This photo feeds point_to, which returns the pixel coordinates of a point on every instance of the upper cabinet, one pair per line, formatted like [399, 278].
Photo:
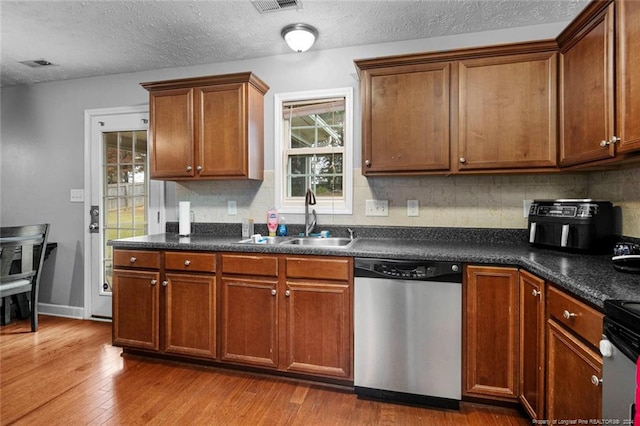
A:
[628, 74]
[473, 110]
[207, 127]
[599, 84]
[405, 124]
[507, 112]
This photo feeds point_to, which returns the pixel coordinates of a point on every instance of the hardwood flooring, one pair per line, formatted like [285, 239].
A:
[68, 373]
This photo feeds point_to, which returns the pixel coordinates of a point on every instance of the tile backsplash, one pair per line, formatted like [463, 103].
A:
[494, 201]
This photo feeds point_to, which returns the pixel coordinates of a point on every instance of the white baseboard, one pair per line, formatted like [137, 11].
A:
[75, 312]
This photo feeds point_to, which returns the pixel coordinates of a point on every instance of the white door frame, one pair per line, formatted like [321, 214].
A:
[159, 212]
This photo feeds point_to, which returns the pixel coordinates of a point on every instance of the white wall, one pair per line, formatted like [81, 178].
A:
[42, 134]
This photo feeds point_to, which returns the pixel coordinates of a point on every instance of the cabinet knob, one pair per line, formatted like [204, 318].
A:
[611, 141]
[154, 282]
[287, 293]
[535, 293]
[189, 168]
[165, 283]
[463, 160]
[133, 259]
[595, 381]
[199, 168]
[367, 163]
[273, 292]
[567, 315]
[187, 262]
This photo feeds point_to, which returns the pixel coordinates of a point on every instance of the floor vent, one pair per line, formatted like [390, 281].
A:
[266, 6]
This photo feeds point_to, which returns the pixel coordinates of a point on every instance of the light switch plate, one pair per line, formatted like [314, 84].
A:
[377, 208]
[413, 208]
[232, 207]
[76, 196]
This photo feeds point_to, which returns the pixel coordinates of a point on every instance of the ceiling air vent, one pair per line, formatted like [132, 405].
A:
[38, 63]
[266, 6]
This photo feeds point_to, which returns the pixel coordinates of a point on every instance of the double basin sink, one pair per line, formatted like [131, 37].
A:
[330, 242]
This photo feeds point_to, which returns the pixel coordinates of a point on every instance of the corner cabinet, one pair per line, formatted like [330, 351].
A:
[207, 127]
[599, 80]
[532, 344]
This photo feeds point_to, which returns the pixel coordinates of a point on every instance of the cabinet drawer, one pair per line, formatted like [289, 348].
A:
[319, 268]
[264, 266]
[580, 318]
[136, 259]
[189, 261]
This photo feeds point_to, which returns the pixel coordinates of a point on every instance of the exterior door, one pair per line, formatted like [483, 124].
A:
[120, 200]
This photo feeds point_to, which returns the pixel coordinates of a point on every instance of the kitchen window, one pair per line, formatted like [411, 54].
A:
[314, 144]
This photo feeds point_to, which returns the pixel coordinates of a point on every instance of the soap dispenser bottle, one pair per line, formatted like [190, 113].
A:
[272, 221]
[282, 227]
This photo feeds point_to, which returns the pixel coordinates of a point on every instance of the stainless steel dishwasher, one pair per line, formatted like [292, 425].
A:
[408, 331]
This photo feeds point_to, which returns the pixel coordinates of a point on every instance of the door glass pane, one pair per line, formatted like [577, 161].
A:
[125, 200]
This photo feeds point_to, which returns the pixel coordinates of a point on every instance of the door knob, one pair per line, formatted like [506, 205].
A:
[463, 160]
[273, 292]
[567, 315]
[189, 168]
[367, 163]
[187, 262]
[535, 292]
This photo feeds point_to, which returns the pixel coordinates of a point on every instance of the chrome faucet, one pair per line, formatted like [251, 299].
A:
[309, 199]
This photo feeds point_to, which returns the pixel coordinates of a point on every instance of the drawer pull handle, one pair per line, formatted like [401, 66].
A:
[165, 283]
[153, 282]
[133, 259]
[568, 315]
[595, 381]
[187, 262]
[535, 293]
[273, 292]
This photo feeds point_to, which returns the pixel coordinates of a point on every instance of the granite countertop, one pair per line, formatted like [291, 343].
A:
[587, 276]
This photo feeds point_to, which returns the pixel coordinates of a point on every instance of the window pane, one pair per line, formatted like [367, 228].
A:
[298, 187]
[140, 147]
[321, 173]
[303, 137]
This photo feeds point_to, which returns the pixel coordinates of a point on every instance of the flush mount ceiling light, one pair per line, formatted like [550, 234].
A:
[299, 37]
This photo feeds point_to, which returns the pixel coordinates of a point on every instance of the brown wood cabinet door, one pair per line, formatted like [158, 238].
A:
[249, 321]
[221, 125]
[318, 327]
[571, 367]
[136, 309]
[507, 112]
[532, 344]
[628, 74]
[587, 94]
[190, 315]
[171, 135]
[491, 333]
[406, 119]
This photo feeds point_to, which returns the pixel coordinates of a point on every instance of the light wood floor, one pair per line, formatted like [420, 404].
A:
[69, 374]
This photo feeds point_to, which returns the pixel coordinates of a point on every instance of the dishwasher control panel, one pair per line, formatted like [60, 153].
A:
[408, 270]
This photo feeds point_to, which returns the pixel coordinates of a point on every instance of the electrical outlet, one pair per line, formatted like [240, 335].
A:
[376, 208]
[526, 206]
[232, 208]
[413, 208]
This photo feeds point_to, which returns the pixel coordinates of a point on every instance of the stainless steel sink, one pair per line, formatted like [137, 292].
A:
[264, 240]
[332, 242]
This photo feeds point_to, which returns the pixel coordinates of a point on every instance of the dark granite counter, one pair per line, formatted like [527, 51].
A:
[589, 277]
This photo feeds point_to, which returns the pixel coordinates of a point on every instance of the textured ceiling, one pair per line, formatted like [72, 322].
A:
[90, 38]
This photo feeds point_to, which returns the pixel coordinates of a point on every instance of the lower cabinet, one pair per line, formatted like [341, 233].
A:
[249, 314]
[574, 367]
[532, 344]
[171, 311]
[490, 364]
[288, 313]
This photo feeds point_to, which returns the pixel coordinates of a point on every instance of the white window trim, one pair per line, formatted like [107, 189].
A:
[322, 206]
